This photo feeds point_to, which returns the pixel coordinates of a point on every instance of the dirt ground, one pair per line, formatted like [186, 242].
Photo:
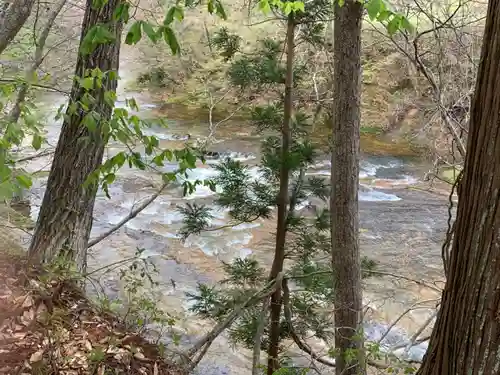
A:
[48, 327]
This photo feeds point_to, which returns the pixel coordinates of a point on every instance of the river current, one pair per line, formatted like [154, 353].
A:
[401, 228]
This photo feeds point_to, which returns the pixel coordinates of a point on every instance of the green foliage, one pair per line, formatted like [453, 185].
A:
[227, 43]
[379, 10]
[251, 197]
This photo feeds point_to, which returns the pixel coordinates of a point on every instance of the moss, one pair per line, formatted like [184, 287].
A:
[449, 174]
[178, 109]
[374, 145]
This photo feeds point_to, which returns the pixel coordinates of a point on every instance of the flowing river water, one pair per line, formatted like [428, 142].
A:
[401, 228]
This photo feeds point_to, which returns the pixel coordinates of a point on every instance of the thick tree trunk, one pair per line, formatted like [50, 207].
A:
[13, 15]
[466, 336]
[344, 199]
[281, 228]
[65, 218]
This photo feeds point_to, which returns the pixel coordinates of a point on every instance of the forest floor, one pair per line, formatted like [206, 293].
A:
[48, 327]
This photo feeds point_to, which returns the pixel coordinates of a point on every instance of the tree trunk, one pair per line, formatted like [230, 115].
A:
[281, 228]
[65, 218]
[466, 336]
[13, 15]
[15, 113]
[345, 180]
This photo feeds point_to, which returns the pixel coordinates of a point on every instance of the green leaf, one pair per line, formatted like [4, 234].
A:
[405, 24]
[24, 181]
[87, 45]
[373, 8]
[122, 12]
[219, 10]
[36, 142]
[90, 122]
[264, 6]
[150, 32]
[175, 12]
[287, 9]
[384, 15]
[394, 25]
[134, 35]
[110, 178]
[210, 6]
[103, 35]
[171, 39]
[87, 83]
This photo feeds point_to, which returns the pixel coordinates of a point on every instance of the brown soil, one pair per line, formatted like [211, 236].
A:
[49, 328]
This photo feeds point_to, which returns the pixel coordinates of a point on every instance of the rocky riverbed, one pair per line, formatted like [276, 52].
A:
[401, 228]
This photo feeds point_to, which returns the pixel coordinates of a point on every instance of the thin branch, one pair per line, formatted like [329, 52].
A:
[258, 337]
[415, 306]
[50, 88]
[209, 338]
[414, 338]
[382, 273]
[288, 317]
[129, 217]
[36, 156]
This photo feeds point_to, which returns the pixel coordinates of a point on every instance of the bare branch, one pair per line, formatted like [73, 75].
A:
[258, 337]
[129, 217]
[209, 338]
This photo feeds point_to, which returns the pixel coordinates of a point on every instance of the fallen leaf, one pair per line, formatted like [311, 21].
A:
[28, 302]
[155, 369]
[88, 345]
[139, 355]
[36, 356]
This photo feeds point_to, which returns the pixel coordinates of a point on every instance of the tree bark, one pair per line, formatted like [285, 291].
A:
[281, 228]
[13, 15]
[346, 261]
[65, 218]
[466, 336]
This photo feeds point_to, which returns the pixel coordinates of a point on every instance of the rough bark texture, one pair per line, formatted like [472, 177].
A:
[281, 228]
[65, 217]
[13, 15]
[345, 170]
[466, 336]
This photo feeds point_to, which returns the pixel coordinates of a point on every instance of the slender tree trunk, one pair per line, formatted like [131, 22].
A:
[281, 229]
[13, 15]
[345, 180]
[65, 218]
[37, 61]
[466, 336]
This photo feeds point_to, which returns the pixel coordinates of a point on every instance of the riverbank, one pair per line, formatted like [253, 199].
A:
[48, 326]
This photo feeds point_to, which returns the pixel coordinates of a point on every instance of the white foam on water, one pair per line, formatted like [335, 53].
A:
[396, 337]
[247, 237]
[171, 235]
[237, 156]
[244, 226]
[244, 253]
[371, 195]
[169, 217]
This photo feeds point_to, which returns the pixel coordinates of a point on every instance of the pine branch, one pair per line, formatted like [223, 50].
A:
[209, 338]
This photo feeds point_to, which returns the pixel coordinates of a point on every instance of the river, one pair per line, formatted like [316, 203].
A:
[401, 228]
